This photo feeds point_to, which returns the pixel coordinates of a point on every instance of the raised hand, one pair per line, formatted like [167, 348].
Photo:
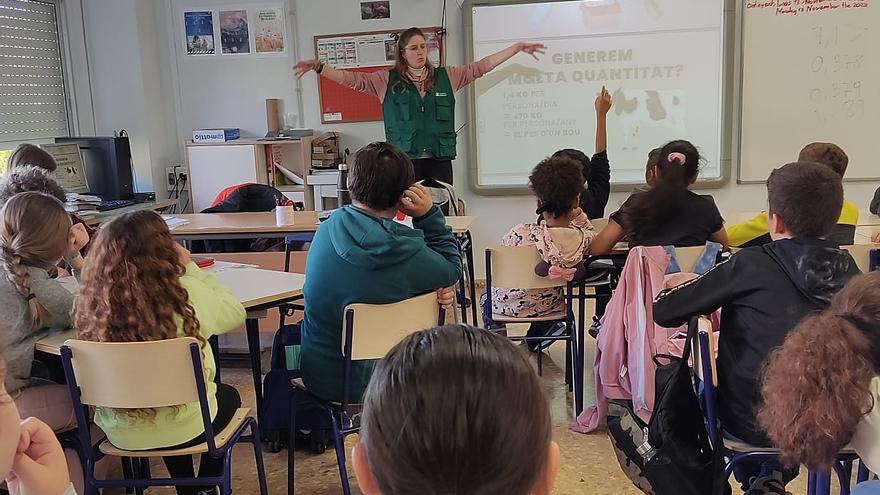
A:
[304, 66]
[533, 49]
[603, 102]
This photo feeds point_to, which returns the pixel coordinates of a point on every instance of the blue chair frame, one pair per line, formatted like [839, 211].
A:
[337, 412]
[138, 467]
[818, 483]
[574, 369]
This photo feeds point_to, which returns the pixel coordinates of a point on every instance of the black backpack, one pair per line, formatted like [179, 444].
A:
[629, 437]
[679, 458]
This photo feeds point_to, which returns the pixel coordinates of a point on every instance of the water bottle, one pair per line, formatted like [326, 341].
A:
[342, 195]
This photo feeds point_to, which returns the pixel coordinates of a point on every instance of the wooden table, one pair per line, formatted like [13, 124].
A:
[256, 289]
[108, 215]
[203, 226]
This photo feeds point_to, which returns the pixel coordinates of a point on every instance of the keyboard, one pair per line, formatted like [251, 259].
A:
[114, 204]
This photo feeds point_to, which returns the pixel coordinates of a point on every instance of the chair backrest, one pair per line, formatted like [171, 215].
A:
[134, 375]
[376, 328]
[703, 357]
[687, 257]
[514, 268]
[861, 254]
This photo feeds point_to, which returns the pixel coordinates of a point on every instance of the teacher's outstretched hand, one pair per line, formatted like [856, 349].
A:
[418, 99]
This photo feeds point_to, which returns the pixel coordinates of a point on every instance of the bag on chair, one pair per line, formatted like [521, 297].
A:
[679, 459]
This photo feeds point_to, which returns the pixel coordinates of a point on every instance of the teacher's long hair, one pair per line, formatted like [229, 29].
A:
[400, 65]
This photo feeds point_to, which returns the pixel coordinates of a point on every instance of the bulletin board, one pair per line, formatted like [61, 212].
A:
[368, 51]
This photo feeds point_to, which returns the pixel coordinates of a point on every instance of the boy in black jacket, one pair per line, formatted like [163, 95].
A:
[764, 291]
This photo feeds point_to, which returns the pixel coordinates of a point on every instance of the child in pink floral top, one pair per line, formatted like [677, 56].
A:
[562, 238]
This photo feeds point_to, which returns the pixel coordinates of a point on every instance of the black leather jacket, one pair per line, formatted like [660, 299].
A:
[763, 292]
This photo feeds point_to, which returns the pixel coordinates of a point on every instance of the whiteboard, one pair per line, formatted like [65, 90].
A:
[809, 73]
[663, 62]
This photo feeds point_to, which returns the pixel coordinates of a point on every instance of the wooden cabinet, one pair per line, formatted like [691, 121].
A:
[212, 167]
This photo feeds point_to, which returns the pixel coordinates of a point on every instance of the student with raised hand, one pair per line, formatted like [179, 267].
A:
[140, 285]
[361, 255]
[763, 293]
[35, 233]
[668, 213]
[31, 458]
[596, 171]
[755, 231]
[821, 387]
[455, 409]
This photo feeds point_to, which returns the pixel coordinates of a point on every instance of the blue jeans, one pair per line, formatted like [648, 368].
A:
[867, 488]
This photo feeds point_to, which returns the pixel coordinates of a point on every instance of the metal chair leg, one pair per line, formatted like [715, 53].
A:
[339, 444]
[258, 458]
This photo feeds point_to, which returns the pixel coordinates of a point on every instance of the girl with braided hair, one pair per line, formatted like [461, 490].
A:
[35, 234]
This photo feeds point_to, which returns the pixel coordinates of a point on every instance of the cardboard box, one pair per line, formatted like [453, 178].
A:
[216, 135]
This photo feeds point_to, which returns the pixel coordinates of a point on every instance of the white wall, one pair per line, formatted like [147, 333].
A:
[135, 62]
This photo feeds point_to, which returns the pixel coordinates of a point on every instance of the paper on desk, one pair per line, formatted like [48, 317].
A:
[174, 222]
[223, 266]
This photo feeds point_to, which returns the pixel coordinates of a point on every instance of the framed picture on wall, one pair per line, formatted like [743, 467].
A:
[199, 32]
[269, 30]
[234, 33]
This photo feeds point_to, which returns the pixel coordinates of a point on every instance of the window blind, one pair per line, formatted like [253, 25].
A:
[32, 98]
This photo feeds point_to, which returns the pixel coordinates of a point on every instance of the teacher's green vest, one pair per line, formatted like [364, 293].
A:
[416, 124]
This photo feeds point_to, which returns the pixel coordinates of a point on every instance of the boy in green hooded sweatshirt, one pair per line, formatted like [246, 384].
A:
[361, 255]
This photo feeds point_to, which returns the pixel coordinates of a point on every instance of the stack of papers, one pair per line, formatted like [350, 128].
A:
[81, 202]
[174, 222]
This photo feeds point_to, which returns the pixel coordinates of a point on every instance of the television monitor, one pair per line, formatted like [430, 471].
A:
[70, 174]
[107, 163]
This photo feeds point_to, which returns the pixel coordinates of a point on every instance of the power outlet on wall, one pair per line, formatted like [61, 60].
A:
[171, 177]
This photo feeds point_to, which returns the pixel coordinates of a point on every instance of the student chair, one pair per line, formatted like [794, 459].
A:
[369, 331]
[514, 268]
[861, 254]
[113, 375]
[735, 451]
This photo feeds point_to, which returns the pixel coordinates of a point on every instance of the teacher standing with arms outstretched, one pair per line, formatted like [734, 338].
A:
[418, 100]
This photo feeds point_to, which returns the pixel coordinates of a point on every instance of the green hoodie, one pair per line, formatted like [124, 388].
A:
[358, 257]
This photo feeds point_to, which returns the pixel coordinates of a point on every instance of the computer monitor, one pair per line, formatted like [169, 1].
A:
[107, 162]
[70, 174]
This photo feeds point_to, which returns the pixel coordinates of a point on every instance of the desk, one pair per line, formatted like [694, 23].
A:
[105, 216]
[203, 226]
[256, 289]
[866, 218]
[864, 234]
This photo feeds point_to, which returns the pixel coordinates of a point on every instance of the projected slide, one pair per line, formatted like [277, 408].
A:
[661, 60]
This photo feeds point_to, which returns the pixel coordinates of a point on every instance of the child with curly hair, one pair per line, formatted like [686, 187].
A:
[562, 238]
[140, 285]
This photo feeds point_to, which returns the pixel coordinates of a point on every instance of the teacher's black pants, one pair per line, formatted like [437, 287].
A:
[431, 168]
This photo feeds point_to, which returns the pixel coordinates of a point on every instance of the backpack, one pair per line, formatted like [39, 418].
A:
[279, 394]
[678, 456]
[443, 195]
[629, 437]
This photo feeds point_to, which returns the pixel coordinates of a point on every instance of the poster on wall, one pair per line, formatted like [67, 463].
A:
[375, 10]
[199, 26]
[269, 30]
[234, 34]
[369, 50]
